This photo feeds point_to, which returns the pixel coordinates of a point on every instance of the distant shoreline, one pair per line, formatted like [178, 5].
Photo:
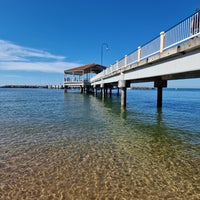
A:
[24, 86]
[142, 88]
[59, 87]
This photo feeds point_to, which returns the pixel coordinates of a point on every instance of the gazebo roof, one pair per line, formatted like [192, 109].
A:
[89, 68]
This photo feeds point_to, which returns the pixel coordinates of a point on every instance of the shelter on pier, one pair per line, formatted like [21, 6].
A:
[79, 77]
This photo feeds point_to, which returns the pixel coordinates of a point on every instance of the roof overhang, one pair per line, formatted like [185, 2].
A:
[85, 69]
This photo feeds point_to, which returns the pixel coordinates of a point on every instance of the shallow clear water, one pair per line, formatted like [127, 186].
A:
[56, 145]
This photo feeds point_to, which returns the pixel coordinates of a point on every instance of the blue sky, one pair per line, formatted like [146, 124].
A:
[41, 38]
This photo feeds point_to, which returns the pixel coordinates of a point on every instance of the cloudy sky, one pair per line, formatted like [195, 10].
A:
[40, 39]
[25, 65]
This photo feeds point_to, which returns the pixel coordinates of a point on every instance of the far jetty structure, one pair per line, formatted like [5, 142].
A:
[79, 77]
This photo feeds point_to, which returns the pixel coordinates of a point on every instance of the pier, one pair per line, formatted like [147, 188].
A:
[173, 55]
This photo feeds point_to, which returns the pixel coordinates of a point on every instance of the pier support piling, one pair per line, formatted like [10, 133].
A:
[117, 91]
[65, 89]
[159, 97]
[110, 91]
[103, 93]
[123, 97]
[102, 90]
[160, 84]
[81, 90]
[95, 91]
[122, 85]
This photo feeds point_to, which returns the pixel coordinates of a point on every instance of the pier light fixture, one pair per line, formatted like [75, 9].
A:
[103, 45]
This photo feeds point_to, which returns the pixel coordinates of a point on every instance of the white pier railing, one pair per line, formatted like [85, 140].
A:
[178, 34]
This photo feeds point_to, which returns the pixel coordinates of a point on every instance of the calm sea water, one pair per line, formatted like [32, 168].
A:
[56, 145]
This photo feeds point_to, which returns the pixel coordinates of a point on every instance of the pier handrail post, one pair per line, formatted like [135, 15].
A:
[111, 68]
[139, 53]
[126, 61]
[117, 63]
[162, 41]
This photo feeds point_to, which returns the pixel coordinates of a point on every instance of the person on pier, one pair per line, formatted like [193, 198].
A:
[195, 23]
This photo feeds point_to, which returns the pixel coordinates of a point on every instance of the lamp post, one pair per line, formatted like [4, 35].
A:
[106, 47]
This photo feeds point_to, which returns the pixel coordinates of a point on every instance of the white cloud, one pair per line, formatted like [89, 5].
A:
[15, 57]
[57, 67]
